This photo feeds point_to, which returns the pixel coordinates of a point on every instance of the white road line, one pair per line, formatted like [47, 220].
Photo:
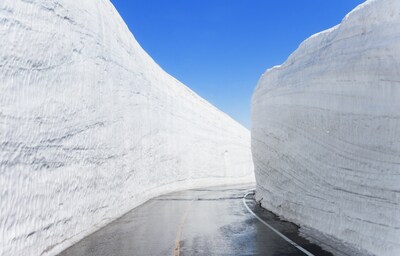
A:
[273, 229]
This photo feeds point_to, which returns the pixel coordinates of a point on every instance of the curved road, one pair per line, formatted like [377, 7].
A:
[211, 221]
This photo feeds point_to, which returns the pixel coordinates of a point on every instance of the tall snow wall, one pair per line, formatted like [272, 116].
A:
[326, 131]
[91, 126]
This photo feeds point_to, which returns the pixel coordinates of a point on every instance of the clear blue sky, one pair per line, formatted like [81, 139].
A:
[220, 48]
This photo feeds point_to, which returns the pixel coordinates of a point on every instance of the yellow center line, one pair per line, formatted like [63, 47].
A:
[179, 233]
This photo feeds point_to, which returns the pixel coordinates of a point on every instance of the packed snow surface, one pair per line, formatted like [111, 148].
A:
[326, 131]
[91, 126]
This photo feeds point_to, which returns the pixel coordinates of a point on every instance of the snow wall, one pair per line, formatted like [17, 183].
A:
[91, 126]
[326, 131]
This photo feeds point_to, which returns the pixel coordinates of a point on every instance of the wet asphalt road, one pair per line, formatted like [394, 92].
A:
[212, 221]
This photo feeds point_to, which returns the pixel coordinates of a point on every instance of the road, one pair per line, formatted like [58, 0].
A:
[212, 221]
